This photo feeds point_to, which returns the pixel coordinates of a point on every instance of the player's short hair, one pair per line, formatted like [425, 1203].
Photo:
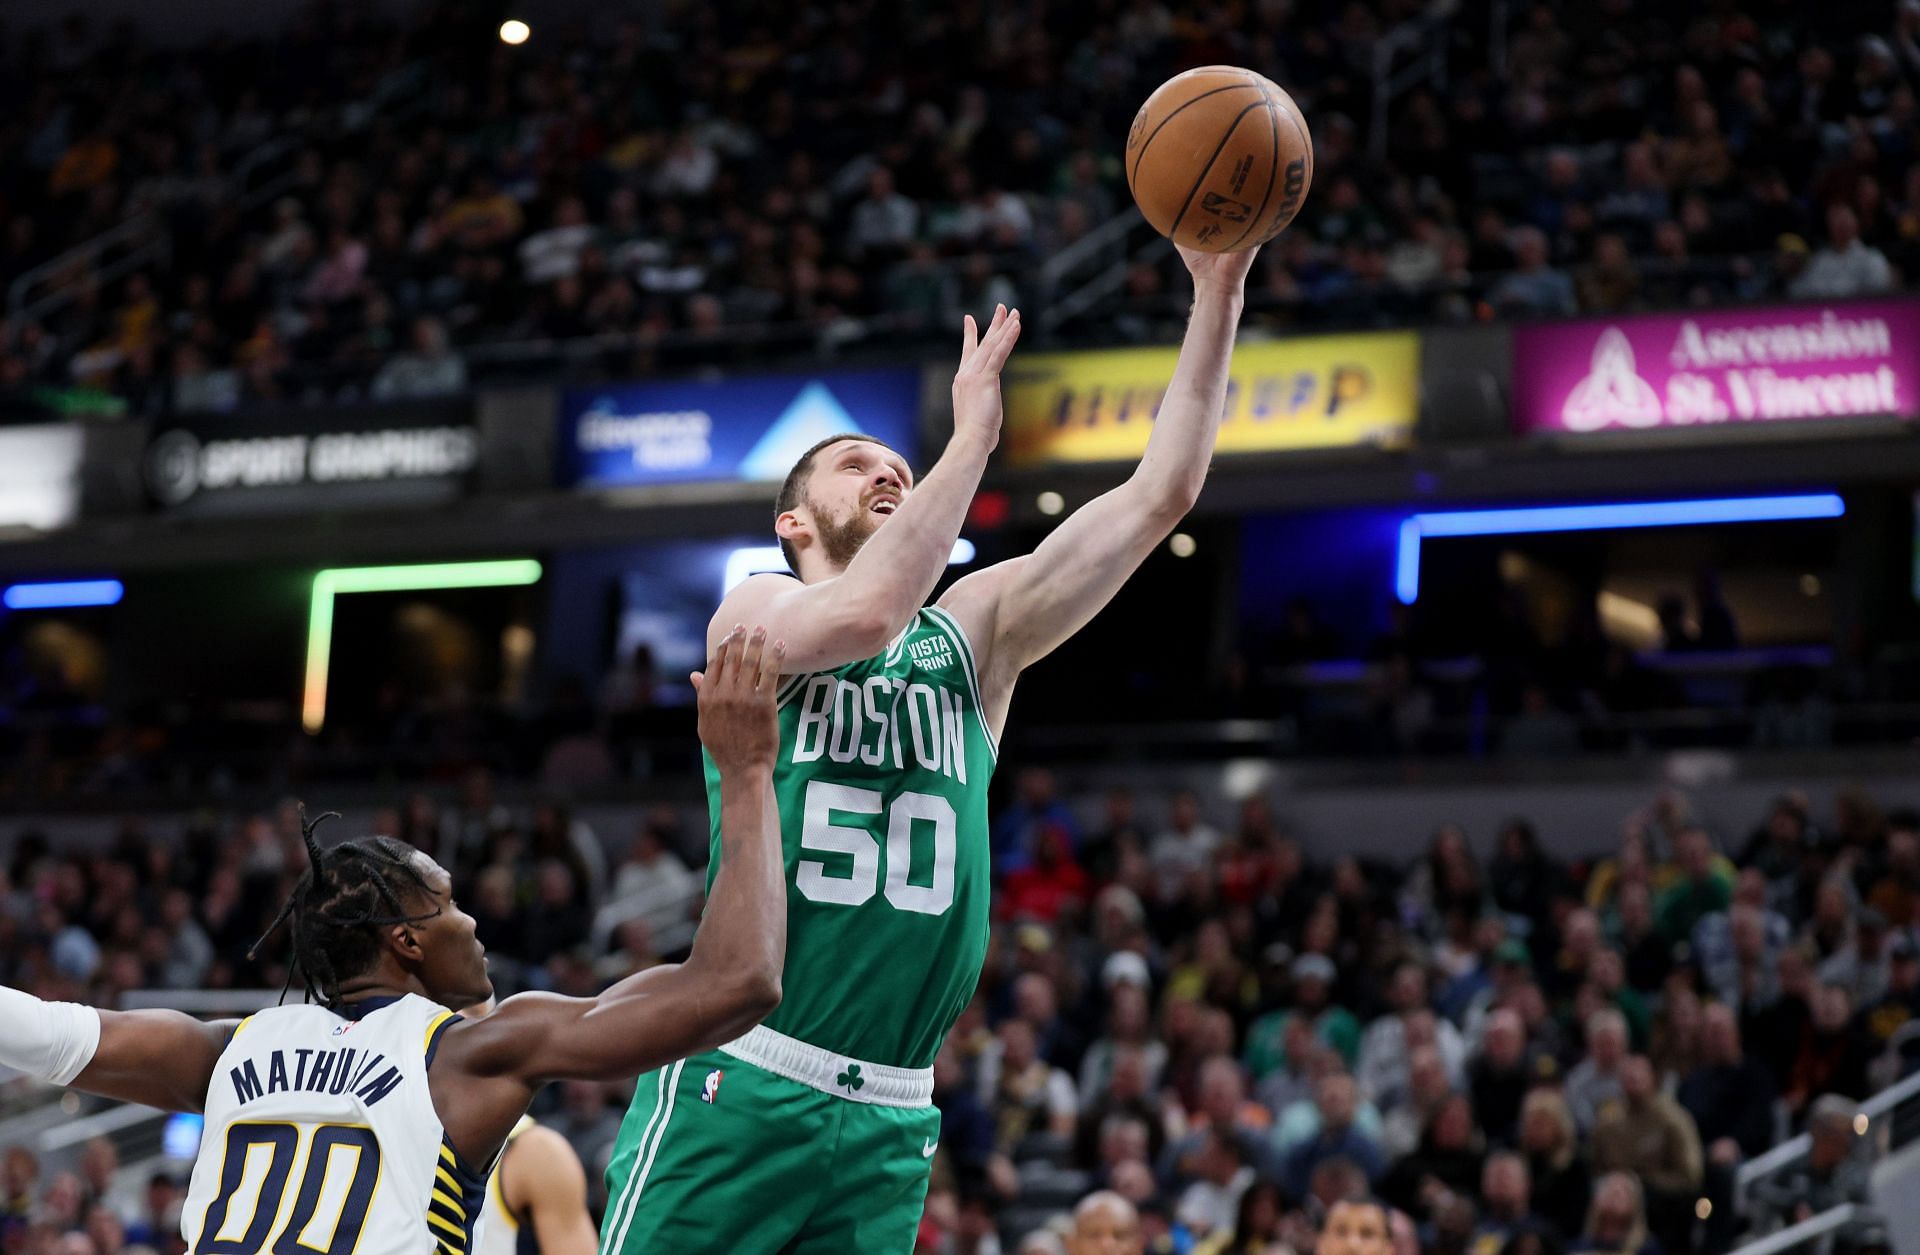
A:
[793, 489]
[339, 905]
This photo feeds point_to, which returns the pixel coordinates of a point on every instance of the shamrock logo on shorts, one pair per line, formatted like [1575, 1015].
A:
[850, 1079]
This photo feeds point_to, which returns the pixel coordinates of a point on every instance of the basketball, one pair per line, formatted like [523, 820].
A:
[1219, 159]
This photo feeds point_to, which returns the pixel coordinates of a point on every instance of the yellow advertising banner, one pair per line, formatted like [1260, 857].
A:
[1316, 393]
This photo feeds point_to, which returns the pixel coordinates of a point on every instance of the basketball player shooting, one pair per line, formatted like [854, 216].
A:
[813, 1133]
[366, 1124]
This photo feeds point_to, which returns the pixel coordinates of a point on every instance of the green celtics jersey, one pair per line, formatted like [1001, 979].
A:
[882, 786]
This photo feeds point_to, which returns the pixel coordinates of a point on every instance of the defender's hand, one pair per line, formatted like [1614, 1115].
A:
[1226, 272]
[738, 723]
[976, 385]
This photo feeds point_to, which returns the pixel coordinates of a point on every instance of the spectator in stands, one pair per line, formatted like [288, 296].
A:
[1831, 1174]
[1895, 891]
[1845, 265]
[1125, 1098]
[1500, 1074]
[1701, 888]
[1597, 1080]
[1036, 1001]
[1737, 950]
[1863, 966]
[1129, 1027]
[1105, 1224]
[1830, 929]
[1037, 808]
[1428, 1086]
[1648, 1134]
[1617, 1221]
[1184, 847]
[1337, 1138]
[1028, 1096]
[1534, 287]
[653, 885]
[1833, 1052]
[1555, 1161]
[1049, 883]
[968, 1133]
[1385, 1050]
[1219, 1177]
[1448, 1160]
[1730, 1096]
[1224, 1113]
[1506, 1203]
[429, 369]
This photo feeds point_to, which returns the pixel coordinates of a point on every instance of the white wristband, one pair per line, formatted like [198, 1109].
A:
[50, 1041]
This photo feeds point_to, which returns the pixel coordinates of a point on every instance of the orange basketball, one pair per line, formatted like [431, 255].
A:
[1219, 159]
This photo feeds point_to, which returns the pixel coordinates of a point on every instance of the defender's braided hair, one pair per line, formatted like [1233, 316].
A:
[339, 905]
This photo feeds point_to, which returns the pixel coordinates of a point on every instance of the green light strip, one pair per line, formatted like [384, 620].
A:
[331, 583]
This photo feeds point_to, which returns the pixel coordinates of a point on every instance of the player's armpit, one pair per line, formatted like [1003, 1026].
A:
[161, 1059]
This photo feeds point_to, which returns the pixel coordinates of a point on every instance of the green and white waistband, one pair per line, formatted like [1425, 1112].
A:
[853, 1079]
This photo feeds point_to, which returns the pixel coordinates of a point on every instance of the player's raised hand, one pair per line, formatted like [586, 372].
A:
[738, 723]
[1224, 271]
[976, 385]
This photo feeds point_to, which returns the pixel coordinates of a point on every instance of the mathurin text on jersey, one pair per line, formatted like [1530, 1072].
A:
[366, 1073]
[880, 722]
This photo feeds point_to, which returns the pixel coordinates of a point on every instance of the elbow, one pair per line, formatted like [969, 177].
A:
[1169, 502]
[755, 996]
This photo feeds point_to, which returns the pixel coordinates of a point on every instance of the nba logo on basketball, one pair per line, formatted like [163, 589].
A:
[710, 1092]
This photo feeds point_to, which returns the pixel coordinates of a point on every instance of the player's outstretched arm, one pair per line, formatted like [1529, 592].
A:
[731, 979]
[1029, 605]
[542, 1180]
[163, 1059]
[855, 614]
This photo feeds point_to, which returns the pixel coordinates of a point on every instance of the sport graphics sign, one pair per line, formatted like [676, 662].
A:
[1846, 360]
[377, 455]
[754, 428]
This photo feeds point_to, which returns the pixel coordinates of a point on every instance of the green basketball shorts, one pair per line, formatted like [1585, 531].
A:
[769, 1146]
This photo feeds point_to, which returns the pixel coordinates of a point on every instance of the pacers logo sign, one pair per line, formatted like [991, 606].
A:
[1324, 392]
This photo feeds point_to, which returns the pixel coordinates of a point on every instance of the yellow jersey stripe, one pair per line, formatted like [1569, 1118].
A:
[433, 1026]
[460, 1235]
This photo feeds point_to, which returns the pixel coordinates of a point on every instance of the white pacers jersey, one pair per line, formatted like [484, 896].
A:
[501, 1235]
[321, 1138]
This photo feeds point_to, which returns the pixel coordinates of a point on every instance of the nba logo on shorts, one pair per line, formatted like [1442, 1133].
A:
[710, 1092]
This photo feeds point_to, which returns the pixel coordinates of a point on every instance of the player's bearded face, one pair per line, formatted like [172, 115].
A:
[841, 534]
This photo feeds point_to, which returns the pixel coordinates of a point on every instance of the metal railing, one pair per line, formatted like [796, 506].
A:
[1094, 267]
[145, 237]
[145, 233]
[1795, 1149]
[1812, 1229]
[1412, 54]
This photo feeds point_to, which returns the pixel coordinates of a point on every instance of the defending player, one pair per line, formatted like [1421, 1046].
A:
[811, 1135]
[365, 1124]
[537, 1197]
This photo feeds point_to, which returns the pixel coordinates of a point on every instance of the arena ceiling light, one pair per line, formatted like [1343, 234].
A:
[337, 581]
[1597, 518]
[63, 595]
